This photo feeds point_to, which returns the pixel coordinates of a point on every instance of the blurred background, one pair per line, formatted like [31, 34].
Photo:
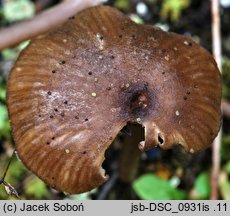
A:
[160, 174]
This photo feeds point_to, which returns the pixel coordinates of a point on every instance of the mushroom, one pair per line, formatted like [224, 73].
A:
[73, 89]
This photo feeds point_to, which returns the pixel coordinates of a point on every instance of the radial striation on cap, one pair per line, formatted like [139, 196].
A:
[63, 120]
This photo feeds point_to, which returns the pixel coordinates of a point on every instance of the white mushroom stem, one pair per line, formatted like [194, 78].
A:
[43, 21]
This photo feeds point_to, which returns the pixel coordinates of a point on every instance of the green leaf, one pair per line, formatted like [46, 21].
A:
[9, 54]
[82, 196]
[225, 190]
[173, 8]
[3, 116]
[121, 4]
[4, 123]
[2, 94]
[224, 185]
[3, 194]
[13, 53]
[135, 18]
[18, 10]
[227, 167]
[202, 185]
[36, 188]
[151, 187]
[16, 171]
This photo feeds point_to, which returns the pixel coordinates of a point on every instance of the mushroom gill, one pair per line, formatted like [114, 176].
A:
[73, 89]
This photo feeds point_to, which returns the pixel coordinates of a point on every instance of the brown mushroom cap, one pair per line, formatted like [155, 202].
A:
[73, 89]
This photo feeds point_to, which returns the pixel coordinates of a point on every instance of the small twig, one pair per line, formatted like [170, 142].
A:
[7, 167]
[43, 22]
[9, 189]
[216, 44]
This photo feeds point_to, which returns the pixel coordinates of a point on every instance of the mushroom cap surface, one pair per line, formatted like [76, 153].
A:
[73, 89]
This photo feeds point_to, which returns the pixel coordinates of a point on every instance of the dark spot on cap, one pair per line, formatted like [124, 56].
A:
[90, 73]
[211, 133]
[49, 92]
[53, 71]
[86, 119]
[62, 62]
[139, 102]
[65, 102]
[55, 109]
